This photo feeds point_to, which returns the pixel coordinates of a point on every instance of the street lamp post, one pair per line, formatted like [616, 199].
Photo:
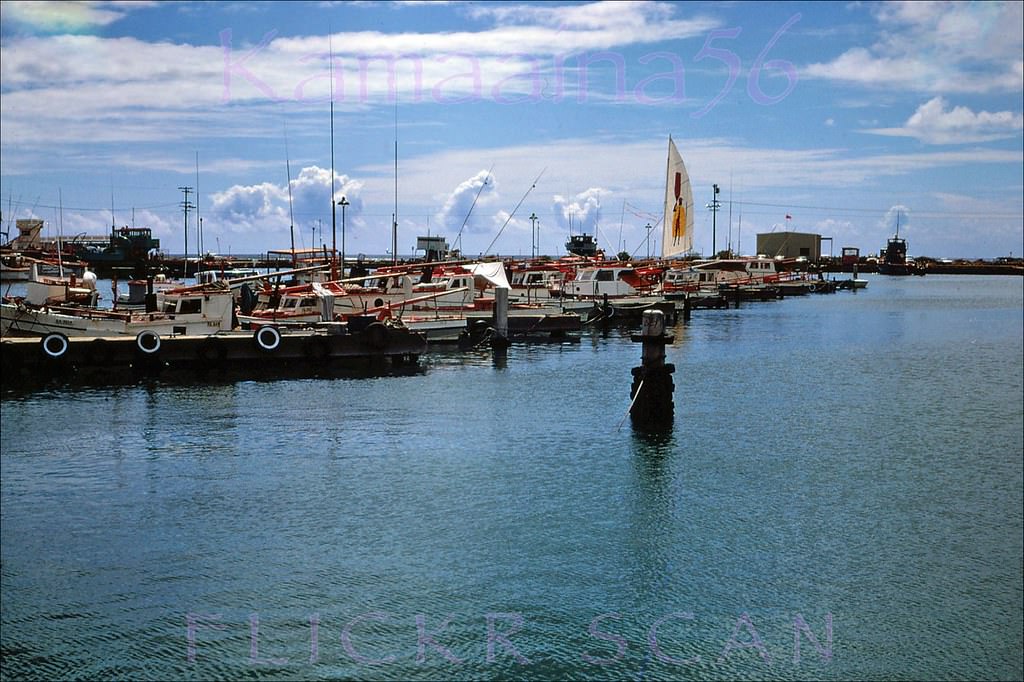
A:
[343, 203]
[534, 243]
[714, 215]
[648, 228]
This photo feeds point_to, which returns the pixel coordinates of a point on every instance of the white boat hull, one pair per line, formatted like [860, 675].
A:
[19, 320]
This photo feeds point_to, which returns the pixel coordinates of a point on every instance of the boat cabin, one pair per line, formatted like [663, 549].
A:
[210, 276]
[611, 281]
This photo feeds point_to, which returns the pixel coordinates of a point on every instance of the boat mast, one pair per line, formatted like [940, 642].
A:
[199, 221]
[60, 233]
[394, 216]
[334, 212]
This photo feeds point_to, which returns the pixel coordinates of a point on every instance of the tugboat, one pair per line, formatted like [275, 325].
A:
[583, 245]
[894, 257]
[127, 247]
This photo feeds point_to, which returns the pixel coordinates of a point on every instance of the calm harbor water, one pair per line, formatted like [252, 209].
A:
[840, 498]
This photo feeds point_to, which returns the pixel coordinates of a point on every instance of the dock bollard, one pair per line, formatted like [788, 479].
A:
[686, 307]
[500, 338]
[652, 407]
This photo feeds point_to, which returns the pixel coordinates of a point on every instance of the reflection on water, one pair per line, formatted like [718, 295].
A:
[844, 460]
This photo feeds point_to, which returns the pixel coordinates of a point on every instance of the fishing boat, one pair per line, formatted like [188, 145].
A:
[894, 257]
[539, 281]
[209, 276]
[138, 289]
[613, 281]
[442, 296]
[716, 274]
[15, 267]
[126, 246]
[185, 311]
[299, 305]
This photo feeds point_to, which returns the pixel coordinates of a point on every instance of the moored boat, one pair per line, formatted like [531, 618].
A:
[186, 311]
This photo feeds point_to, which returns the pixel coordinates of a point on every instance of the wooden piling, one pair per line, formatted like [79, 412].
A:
[652, 406]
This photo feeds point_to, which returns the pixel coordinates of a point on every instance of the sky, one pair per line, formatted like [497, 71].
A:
[466, 119]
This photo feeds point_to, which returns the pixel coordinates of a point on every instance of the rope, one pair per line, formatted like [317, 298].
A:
[631, 403]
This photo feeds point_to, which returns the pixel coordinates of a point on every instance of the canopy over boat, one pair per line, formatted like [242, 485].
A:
[493, 272]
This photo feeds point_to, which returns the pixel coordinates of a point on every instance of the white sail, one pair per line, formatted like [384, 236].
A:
[677, 235]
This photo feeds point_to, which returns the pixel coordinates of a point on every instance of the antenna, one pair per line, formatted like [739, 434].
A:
[288, 168]
[622, 217]
[510, 215]
[458, 237]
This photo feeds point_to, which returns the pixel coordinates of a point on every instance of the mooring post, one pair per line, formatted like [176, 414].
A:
[651, 393]
[500, 338]
[686, 307]
[150, 296]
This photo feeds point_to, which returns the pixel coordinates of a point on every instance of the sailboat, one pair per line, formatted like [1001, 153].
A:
[677, 238]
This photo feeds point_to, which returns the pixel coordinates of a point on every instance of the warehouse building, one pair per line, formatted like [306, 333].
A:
[790, 245]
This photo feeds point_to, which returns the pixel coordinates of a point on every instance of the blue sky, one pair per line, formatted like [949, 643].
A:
[839, 115]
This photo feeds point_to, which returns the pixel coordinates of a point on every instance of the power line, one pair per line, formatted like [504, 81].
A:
[876, 211]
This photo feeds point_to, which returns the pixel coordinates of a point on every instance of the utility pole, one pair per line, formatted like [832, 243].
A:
[186, 205]
[534, 243]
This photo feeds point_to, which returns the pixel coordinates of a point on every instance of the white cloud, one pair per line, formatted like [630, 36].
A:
[935, 124]
[937, 47]
[264, 206]
[61, 15]
[897, 217]
[580, 213]
[465, 199]
[126, 88]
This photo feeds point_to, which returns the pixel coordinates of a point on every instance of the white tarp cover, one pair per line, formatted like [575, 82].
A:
[492, 272]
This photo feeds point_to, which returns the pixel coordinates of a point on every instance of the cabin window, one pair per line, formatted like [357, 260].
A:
[191, 305]
[605, 276]
[308, 302]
